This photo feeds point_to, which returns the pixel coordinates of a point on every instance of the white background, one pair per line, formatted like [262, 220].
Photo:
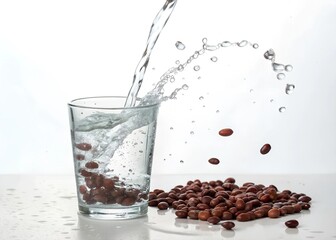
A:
[55, 51]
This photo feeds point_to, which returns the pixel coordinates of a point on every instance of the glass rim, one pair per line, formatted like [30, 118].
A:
[73, 104]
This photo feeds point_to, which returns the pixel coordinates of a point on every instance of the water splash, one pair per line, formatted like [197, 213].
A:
[156, 28]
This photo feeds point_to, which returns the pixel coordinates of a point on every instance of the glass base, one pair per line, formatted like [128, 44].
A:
[114, 213]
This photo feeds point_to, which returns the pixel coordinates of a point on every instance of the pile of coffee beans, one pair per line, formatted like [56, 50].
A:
[218, 201]
[100, 189]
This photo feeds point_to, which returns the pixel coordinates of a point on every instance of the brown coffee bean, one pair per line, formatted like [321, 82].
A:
[230, 180]
[128, 201]
[214, 161]
[202, 206]
[100, 198]
[217, 212]
[82, 189]
[292, 223]
[288, 209]
[80, 157]
[163, 195]
[203, 215]
[265, 149]
[108, 184]
[260, 213]
[84, 146]
[91, 165]
[297, 207]
[153, 203]
[243, 217]
[85, 173]
[305, 199]
[158, 191]
[181, 213]
[193, 214]
[225, 132]
[227, 215]
[228, 225]
[305, 206]
[213, 220]
[273, 213]
[163, 206]
[240, 204]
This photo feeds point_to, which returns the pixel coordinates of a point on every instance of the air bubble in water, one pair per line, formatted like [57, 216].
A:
[281, 76]
[282, 109]
[201, 98]
[197, 68]
[181, 161]
[290, 88]
[251, 90]
[177, 62]
[192, 133]
[255, 45]
[179, 45]
[270, 54]
[171, 128]
[217, 111]
[288, 68]
[214, 59]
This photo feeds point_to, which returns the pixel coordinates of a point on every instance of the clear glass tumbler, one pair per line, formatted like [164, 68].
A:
[112, 153]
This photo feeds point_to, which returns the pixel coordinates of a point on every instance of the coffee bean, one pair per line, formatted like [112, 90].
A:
[163, 206]
[227, 215]
[82, 189]
[225, 132]
[214, 161]
[203, 215]
[181, 213]
[193, 214]
[153, 203]
[265, 149]
[100, 198]
[80, 157]
[91, 165]
[292, 223]
[274, 213]
[243, 217]
[108, 183]
[228, 225]
[128, 201]
[213, 220]
[84, 146]
[305, 206]
[240, 204]
[85, 173]
[304, 199]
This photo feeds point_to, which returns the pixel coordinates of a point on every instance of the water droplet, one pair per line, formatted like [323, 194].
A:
[290, 88]
[192, 133]
[172, 79]
[288, 68]
[130, 170]
[197, 68]
[255, 45]
[185, 142]
[181, 161]
[281, 76]
[185, 87]
[242, 43]
[270, 54]
[251, 90]
[179, 45]
[226, 44]
[180, 68]
[277, 67]
[272, 100]
[171, 128]
[193, 121]
[217, 111]
[170, 154]
[201, 98]
[177, 62]
[214, 59]
[282, 109]
[199, 77]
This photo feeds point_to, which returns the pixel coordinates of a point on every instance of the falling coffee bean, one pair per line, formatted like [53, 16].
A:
[214, 161]
[225, 132]
[84, 146]
[265, 149]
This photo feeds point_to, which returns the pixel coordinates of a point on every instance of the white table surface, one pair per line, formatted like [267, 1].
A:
[45, 207]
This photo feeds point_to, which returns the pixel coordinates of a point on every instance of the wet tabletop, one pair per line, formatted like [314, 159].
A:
[45, 207]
